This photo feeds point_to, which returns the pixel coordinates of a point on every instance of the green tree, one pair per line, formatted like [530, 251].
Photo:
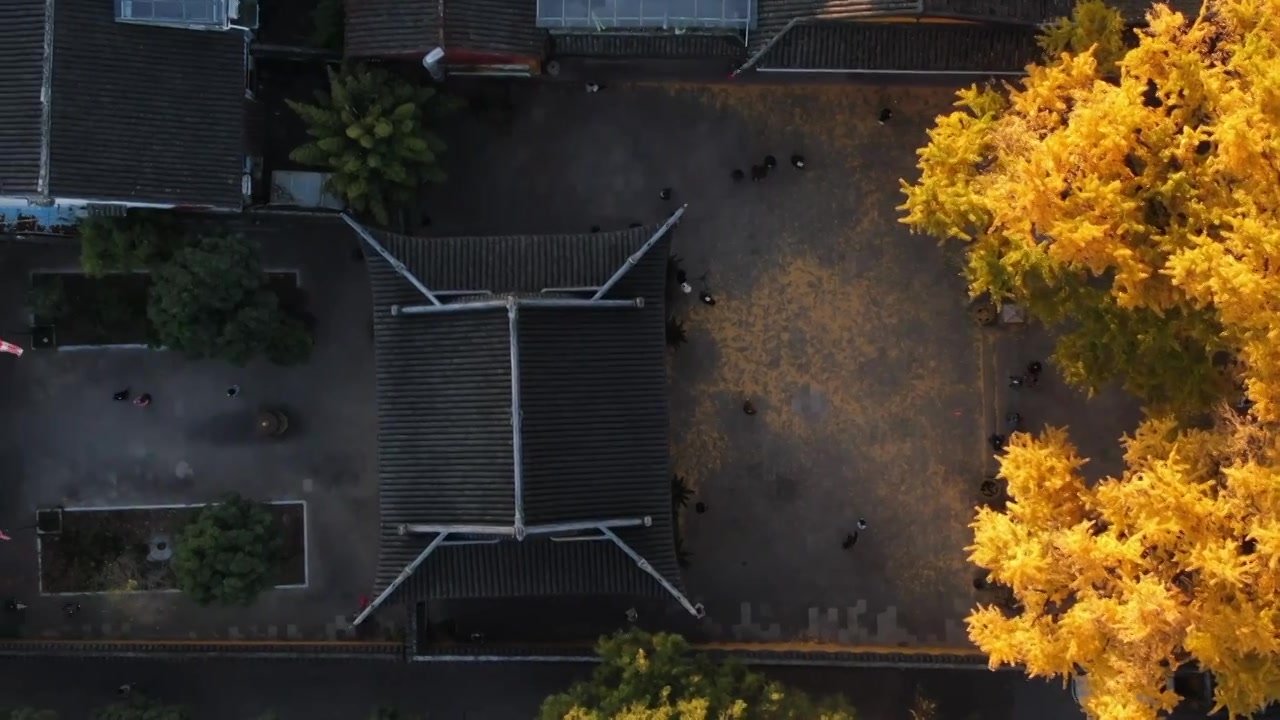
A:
[370, 131]
[1115, 193]
[140, 240]
[28, 713]
[228, 554]
[140, 707]
[657, 677]
[210, 301]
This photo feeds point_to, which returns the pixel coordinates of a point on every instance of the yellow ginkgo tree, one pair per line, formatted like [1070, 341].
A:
[1127, 191]
[1176, 561]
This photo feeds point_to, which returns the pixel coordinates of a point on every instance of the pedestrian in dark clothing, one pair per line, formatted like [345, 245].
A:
[142, 400]
[121, 396]
[849, 541]
[885, 115]
[748, 408]
[124, 689]
[1017, 381]
[997, 442]
[770, 162]
[1034, 368]
[665, 193]
[700, 507]
[233, 391]
[70, 608]
[862, 523]
[797, 161]
[14, 605]
[737, 175]
[706, 298]
[759, 172]
[1013, 420]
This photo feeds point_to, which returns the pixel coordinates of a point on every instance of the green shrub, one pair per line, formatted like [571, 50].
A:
[228, 554]
[370, 131]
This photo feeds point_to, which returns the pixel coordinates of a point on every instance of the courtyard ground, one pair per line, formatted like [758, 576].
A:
[875, 392]
[64, 442]
[847, 333]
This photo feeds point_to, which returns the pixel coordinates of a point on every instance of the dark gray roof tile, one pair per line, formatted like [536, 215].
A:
[22, 52]
[593, 411]
[500, 27]
[905, 47]
[381, 28]
[775, 15]
[145, 113]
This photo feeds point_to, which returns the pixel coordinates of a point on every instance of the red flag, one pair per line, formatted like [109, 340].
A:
[10, 348]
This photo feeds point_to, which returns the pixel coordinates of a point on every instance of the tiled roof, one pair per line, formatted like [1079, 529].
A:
[382, 28]
[593, 409]
[646, 45]
[1033, 12]
[379, 28]
[904, 47]
[22, 52]
[143, 113]
[1042, 11]
[500, 27]
[775, 15]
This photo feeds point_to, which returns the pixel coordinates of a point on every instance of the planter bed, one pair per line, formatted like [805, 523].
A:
[106, 550]
[112, 309]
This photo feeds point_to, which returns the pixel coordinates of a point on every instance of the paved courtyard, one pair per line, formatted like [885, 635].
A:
[64, 442]
[848, 334]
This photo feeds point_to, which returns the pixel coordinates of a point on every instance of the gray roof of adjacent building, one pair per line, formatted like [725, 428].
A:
[22, 55]
[904, 47]
[382, 28]
[109, 111]
[542, 416]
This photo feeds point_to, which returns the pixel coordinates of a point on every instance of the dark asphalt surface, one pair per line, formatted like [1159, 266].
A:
[347, 690]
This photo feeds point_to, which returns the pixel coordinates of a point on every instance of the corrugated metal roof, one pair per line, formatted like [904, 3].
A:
[143, 113]
[904, 47]
[505, 27]
[593, 407]
[644, 45]
[22, 51]
[775, 15]
[379, 28]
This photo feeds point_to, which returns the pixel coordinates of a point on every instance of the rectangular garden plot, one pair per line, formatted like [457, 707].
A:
[112, 309]
[129, 549]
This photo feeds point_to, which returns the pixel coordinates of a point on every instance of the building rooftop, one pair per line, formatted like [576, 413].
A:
[522, 435]
[132, 111]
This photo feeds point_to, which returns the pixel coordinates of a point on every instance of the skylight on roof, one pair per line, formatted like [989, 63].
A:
[197, 14]
[675, 15]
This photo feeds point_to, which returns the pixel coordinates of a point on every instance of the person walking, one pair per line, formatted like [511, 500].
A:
[142, 400]
[121, 396]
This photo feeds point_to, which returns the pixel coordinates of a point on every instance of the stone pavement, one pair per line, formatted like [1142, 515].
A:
[64, 442]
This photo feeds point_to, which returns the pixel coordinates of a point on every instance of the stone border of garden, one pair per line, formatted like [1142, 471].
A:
[67, 513]
[37, 321]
